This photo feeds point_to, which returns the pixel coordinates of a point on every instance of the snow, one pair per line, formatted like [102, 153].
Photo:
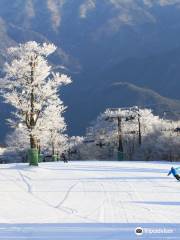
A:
[89, 200]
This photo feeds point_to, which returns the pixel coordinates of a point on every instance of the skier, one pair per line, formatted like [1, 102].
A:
[63, 157]
[175, 172]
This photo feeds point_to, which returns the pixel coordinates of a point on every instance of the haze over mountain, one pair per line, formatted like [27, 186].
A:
[118, 52]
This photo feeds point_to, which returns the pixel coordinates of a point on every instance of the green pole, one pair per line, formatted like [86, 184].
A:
[58, 157]
[120, 156]
[33, 156]
[40, 157]
[54, 157]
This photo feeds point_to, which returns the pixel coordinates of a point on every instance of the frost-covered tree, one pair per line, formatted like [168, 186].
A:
[51, 128]
[144, 136]
[32, 87]
[18, 140]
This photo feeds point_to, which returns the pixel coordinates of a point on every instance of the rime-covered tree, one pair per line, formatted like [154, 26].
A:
[32, 86]
[51, 128]
[18, 139]
[144, 136]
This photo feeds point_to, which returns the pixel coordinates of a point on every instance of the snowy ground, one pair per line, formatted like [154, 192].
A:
[88, 201]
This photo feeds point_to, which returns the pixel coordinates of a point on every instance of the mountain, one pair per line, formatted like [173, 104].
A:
[100, 43]
[119, 94]
[159, 72]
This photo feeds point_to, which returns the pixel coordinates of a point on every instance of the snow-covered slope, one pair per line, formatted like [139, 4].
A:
[90, 196]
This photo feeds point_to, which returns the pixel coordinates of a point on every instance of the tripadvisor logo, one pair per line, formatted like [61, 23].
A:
[139, 231]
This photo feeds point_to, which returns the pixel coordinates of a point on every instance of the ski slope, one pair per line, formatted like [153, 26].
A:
[88, 200]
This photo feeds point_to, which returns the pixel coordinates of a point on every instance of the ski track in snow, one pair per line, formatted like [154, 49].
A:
[94, 193]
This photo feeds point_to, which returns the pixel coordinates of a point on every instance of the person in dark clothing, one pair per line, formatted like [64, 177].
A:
[63, 157]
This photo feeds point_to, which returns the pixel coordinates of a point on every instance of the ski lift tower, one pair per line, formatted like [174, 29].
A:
[117, 114]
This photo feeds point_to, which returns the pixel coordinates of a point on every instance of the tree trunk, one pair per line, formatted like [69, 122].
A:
[139, 131]
[53, 149]
[33, 156]
[33, 142]
[120, 144]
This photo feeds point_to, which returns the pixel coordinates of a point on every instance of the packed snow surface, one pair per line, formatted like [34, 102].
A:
[88, 200]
